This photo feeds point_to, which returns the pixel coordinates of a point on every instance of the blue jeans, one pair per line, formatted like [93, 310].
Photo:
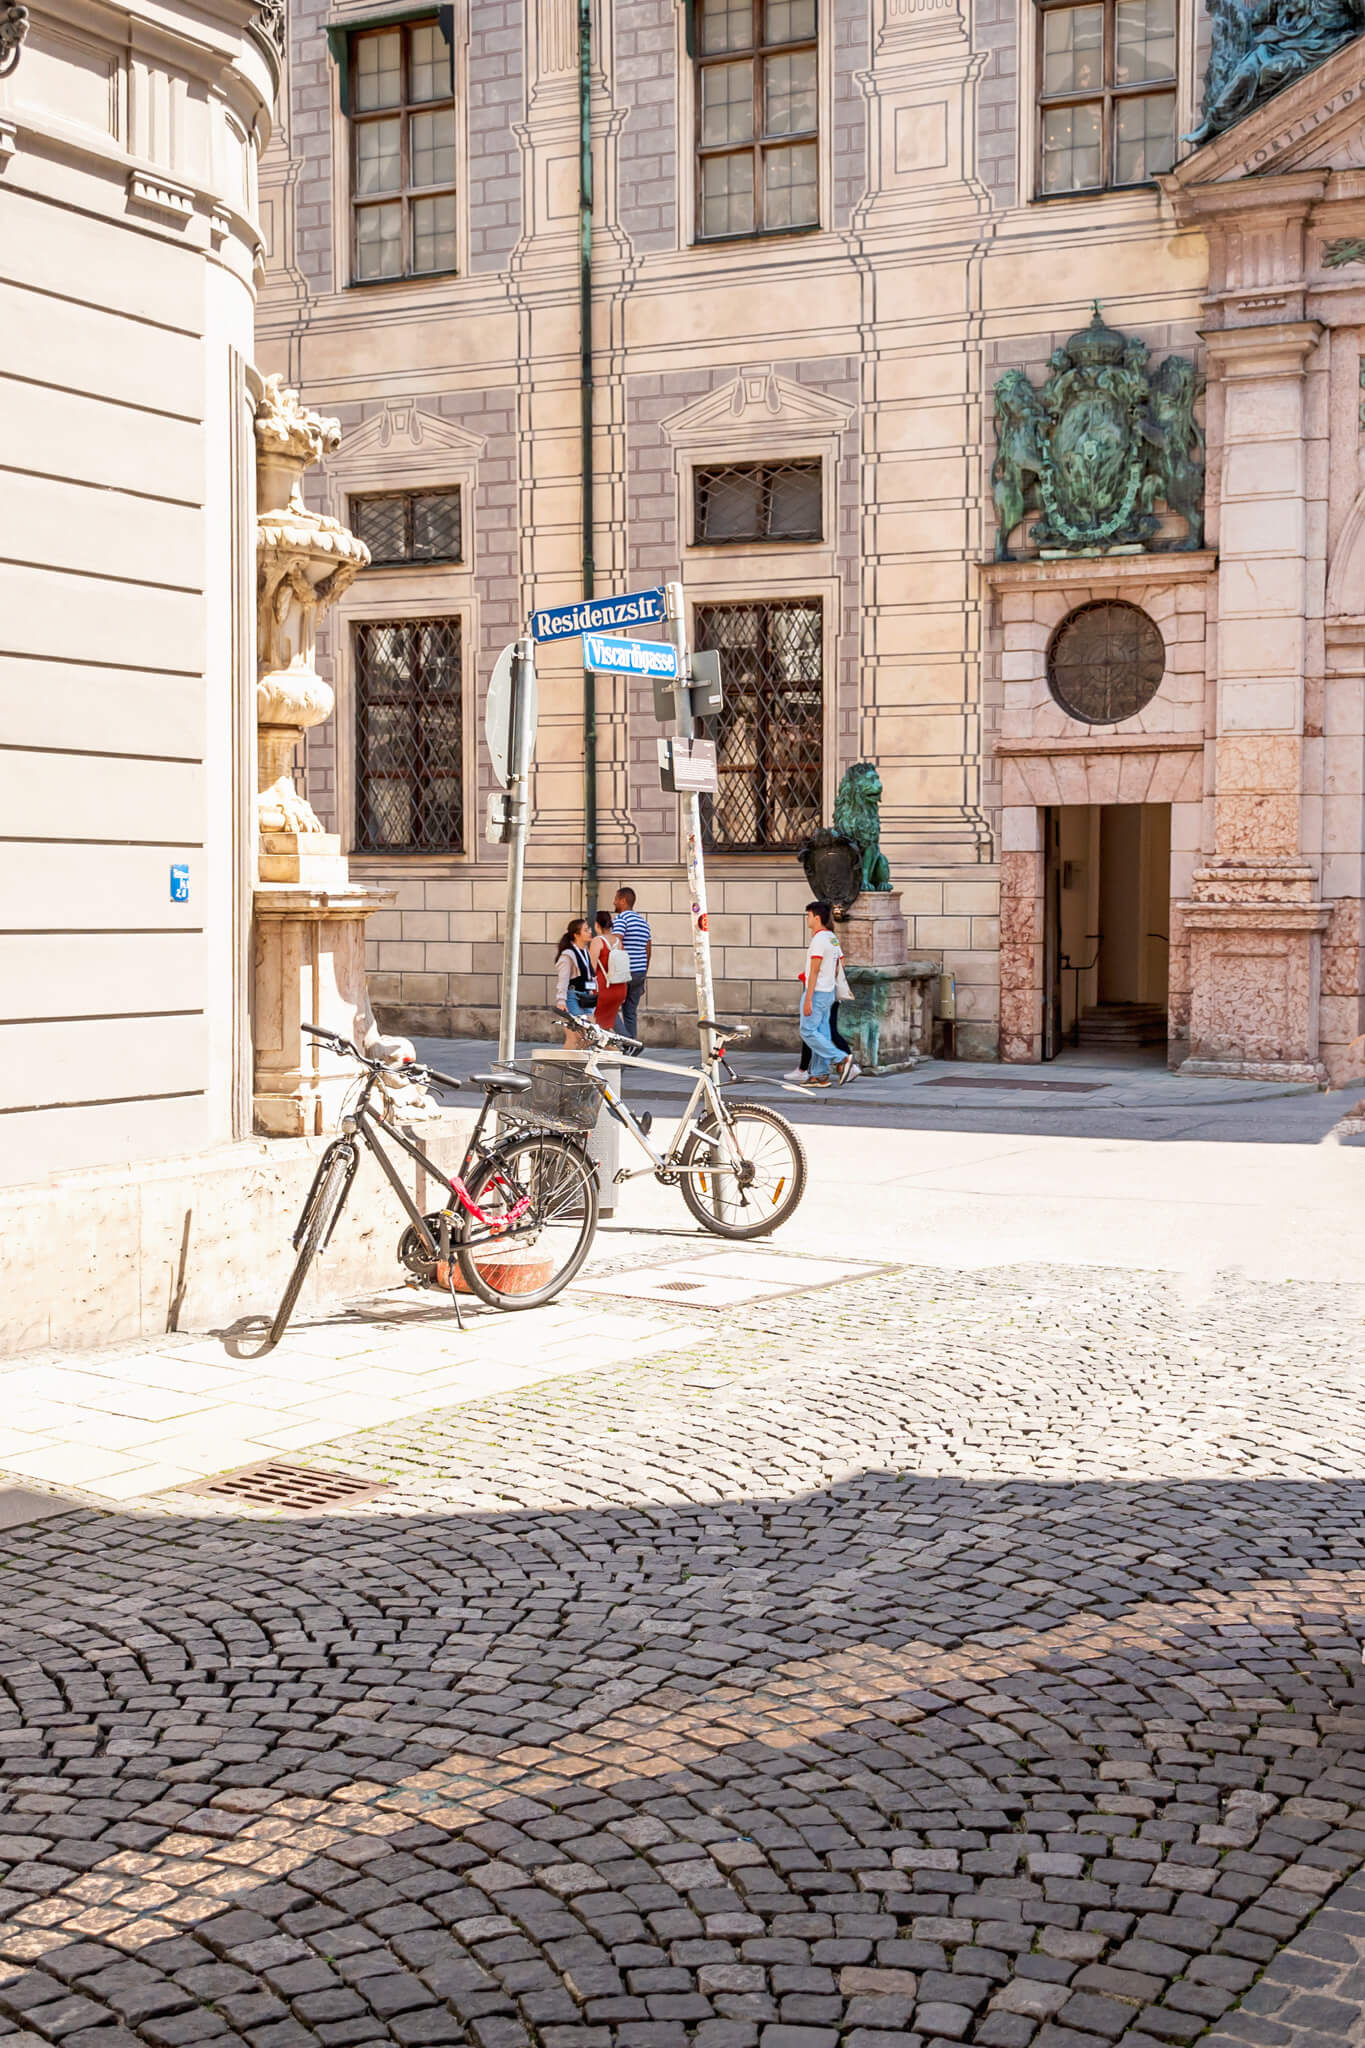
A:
[581, 1004]
[628, 1021]
[815, 1033]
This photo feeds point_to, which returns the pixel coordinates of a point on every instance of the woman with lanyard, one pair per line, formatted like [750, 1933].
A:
[575, 982]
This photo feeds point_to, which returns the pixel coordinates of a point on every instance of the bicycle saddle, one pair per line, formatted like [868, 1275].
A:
[506, 1084]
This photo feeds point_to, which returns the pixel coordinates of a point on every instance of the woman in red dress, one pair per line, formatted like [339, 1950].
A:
[608, 955]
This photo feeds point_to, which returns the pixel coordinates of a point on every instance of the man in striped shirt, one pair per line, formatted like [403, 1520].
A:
[634, 931]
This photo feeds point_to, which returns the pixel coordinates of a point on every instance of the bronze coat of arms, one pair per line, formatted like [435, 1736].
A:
[1103, 443]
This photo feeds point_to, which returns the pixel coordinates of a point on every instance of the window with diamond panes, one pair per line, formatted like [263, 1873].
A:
[402, 152]
[757, 117]
[1106, 95]
[739, 501]
[408, 526]
[770, 735]
[409, 737]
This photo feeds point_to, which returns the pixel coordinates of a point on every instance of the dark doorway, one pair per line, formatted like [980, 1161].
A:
[1109, 920]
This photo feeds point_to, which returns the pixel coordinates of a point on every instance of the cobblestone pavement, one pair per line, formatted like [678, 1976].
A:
[938, 1658]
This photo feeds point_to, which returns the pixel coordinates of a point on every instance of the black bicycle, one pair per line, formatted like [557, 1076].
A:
[521, 1212]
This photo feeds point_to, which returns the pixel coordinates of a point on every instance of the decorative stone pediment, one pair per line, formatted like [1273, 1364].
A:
[403, 428]
[1314, 124]
[757, 405]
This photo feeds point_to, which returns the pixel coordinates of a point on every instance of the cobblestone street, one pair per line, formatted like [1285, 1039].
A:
[936, 1657]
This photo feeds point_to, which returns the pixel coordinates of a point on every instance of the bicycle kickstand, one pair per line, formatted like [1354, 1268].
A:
[449, 1264]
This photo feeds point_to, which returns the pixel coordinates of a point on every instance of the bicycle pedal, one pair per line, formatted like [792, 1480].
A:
[646, 1121]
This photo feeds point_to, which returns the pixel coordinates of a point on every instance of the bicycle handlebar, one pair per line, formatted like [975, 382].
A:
[599, 1037]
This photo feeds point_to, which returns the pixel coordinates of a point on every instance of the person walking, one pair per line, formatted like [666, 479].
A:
[822, 966]
[849, 1069]
[611, 964]
[634, 931]
[575, 983]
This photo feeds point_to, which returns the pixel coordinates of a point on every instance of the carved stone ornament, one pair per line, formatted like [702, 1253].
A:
[13, 29]
[304, 562]
[270, 22]
[1259, 46]
[1105, 440]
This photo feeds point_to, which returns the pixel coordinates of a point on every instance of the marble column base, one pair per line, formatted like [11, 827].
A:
[1255, 937]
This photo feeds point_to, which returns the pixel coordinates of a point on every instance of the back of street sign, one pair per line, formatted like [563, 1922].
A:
[497, 717]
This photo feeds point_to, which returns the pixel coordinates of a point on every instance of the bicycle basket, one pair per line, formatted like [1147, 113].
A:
[561, 1097]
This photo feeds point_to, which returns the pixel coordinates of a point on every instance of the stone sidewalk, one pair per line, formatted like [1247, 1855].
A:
[940, 1657]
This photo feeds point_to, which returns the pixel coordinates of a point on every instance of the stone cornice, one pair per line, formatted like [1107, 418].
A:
[1278, 349]
[1282, 132]
[1278, 194]
[1166, 566]
[1114, 743]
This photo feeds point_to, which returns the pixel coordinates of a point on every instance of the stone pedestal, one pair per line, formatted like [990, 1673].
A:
[890, 1022]
[1254, 935]
[873, 932]
[309, 969]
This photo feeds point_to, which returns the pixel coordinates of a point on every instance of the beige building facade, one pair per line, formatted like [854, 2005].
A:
[795, 344]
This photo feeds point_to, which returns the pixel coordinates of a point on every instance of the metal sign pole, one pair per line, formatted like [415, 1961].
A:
[675, 630]
[519, 807]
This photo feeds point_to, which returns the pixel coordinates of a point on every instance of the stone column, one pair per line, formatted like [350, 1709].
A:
[1254, 918]
[309, 920]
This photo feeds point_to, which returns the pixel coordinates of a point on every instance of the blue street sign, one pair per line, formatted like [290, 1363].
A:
[597, 615]
[630, 657]
[180, 884]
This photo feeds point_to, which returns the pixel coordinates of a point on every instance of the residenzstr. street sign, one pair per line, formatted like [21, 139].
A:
[629, 657]
[597, 615]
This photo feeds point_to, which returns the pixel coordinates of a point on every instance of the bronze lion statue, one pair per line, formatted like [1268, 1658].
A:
[857, 818]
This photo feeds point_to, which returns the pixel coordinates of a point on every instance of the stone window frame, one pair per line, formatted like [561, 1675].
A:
[364, 467]
[412, 615]
[345, 19]
[746, 248]
[1114, 199]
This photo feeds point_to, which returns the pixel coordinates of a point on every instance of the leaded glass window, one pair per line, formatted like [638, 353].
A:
[756, 501]
[770, 735]
[409, 737]
[1106, 93]
[402, 152]
[408, 526]
[757, 117]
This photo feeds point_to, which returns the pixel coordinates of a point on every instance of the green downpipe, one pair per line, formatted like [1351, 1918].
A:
[585, 400]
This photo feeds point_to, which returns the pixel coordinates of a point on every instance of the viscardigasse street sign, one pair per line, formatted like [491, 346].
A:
[630, 657]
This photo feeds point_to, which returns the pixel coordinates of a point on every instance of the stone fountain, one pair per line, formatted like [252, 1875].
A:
[309, 936]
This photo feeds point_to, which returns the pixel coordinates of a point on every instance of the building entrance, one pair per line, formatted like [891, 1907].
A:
[1107, 929]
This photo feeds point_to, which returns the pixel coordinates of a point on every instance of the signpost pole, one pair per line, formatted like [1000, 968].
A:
[675, 630]
[519, 806]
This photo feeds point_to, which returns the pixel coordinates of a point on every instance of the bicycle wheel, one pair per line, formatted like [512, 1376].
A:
[320, 1213]
[753, 1199]
[542, 1252]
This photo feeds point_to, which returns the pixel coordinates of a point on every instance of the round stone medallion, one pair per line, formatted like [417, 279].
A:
[1105, 662]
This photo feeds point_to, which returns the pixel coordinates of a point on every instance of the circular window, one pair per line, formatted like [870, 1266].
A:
[1105, 662]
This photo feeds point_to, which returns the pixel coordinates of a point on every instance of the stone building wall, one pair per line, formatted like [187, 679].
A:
[128, 146]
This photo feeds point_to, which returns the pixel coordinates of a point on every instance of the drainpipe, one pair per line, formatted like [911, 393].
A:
[585, 392]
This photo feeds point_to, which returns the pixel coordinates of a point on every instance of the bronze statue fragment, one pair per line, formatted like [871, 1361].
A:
[1260, 46]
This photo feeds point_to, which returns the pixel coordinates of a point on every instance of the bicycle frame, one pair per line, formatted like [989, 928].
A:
[705, 1090]
[363, 1122]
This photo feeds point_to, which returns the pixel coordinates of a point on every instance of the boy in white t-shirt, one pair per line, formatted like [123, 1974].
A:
[822, 964]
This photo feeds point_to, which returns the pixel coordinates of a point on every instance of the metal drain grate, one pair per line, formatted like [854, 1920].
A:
[301, 1488]
[681, 1286]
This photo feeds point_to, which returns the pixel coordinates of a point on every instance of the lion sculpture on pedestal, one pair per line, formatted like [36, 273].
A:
[857, 816]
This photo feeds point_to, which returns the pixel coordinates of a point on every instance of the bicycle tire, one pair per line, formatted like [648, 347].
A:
[553, 1172]
[326, 1202]
[771, 1196]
